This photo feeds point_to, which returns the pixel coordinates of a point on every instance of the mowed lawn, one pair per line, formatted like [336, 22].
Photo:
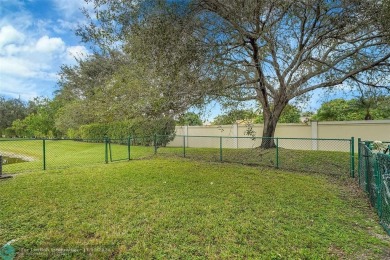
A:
[177, 208]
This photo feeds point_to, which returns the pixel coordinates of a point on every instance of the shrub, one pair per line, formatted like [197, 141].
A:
[142, 130]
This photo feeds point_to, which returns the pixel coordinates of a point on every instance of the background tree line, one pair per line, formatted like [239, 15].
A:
[42, 117]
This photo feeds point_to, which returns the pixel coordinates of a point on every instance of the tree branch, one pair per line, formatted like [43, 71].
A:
[341, 80]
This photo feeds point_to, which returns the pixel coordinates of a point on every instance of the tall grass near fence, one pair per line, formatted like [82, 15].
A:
[374, 178]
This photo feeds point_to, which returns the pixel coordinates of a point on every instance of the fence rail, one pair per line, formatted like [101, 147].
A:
[374, 178]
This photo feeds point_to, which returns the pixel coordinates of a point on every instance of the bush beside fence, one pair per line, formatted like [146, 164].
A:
[122, 130]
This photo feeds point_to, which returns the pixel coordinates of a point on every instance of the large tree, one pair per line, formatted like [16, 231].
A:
[85, 92]
[282, 50]
[373, 102]
[268, 51]
[121, 82]
[354, 109]
[378, 12]
[40, 121]
[11, 110]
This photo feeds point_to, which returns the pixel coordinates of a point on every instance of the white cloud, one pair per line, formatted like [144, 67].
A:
[50, 45]
[8, 35]
[33, 45]
[25, 60]
[18, 67]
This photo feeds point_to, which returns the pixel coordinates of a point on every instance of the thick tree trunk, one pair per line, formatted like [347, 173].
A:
[271, 119]
[268, 134]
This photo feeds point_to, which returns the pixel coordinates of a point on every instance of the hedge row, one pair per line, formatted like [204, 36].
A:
[136, 128]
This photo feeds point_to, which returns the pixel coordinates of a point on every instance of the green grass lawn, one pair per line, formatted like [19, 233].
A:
[178, 208]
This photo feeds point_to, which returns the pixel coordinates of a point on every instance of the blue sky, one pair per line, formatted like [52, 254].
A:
[36, 38]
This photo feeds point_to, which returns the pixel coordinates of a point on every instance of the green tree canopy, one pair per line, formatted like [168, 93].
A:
[115, 86]
[11, 110]
[39, 123]
[235, 115]
[267, 51]
[290, 114]
[189, 118]
[349, 110]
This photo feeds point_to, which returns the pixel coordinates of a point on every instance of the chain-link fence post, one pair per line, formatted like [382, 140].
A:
[359, 159]
[184, 146]
[277, 153]
[1, 165]
[110, 148]
[106, 149]
[378, 185]
[367, 159]
[220, 148]
[128, 147]
[155, 143]
[352, 157]
[44, 153]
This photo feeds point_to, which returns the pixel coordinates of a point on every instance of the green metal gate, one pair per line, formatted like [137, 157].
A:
[117, 149]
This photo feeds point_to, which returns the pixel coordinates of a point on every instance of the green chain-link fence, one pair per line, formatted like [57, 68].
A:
[23, 155]
[331, 156]
[374, 178]
[335, 155]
